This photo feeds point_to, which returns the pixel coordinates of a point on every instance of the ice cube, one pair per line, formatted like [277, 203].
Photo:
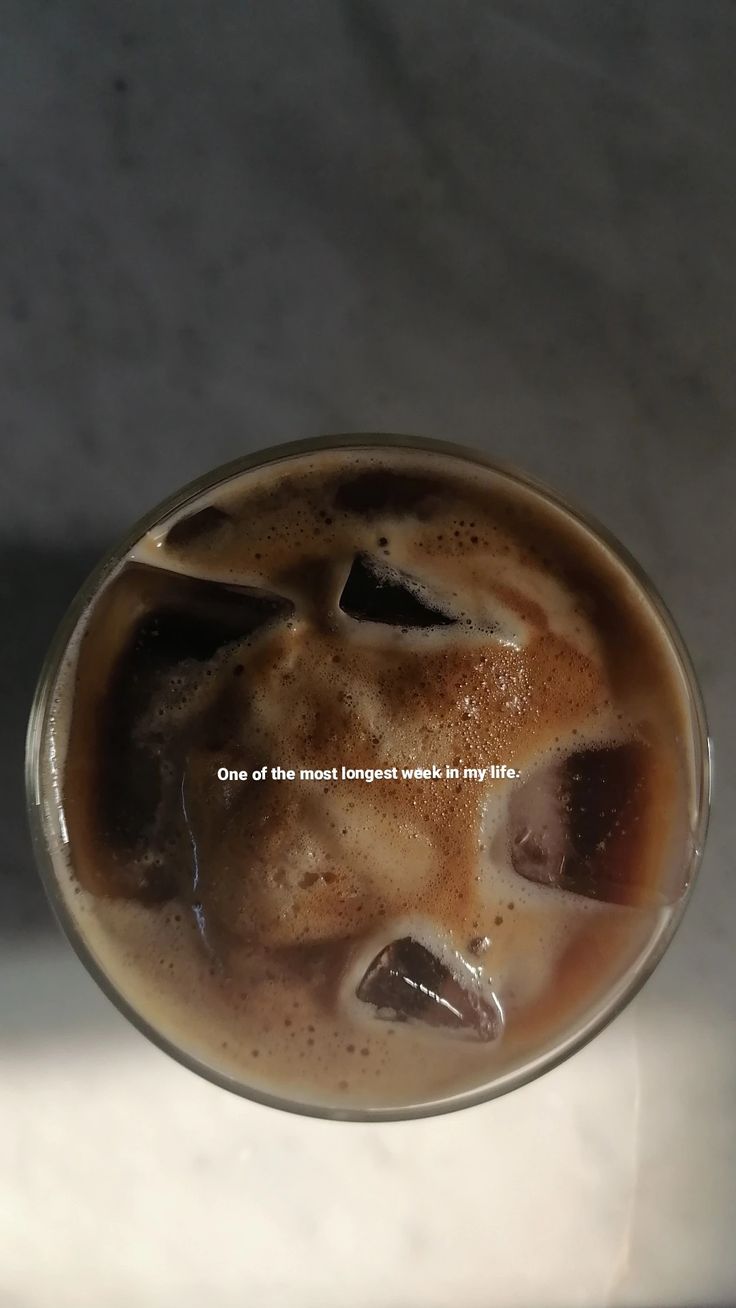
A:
[375, 592]
[538, 826]
[579, 824]
[195, 528]
[149, 638]
[407, 982]
[383, 491]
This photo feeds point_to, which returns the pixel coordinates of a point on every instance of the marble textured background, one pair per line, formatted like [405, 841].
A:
[225, 225]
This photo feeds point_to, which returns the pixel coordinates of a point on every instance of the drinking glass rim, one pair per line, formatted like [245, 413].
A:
[37, 730]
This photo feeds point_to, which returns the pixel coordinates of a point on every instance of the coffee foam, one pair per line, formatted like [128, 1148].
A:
[522, 675]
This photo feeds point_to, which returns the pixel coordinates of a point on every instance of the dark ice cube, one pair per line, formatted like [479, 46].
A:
[382, 491]
[578, 824]
[196, 527]
[407, 982]
[148, 640]
[374, 592]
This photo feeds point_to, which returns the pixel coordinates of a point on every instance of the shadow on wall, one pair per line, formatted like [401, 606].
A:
[36, 586]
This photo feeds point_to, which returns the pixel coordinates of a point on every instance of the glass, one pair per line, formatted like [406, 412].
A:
[48, 835]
